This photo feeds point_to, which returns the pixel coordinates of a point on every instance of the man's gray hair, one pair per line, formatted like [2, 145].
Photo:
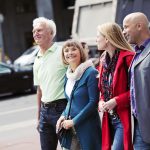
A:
[49, 23]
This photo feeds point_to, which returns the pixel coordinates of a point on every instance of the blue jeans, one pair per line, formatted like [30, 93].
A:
[47, 125]
[117, 134]
[138, 142]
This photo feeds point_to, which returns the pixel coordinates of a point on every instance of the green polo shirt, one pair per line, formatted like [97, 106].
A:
[49, 72]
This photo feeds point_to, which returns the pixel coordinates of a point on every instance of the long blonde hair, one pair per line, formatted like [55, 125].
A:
[113, 32]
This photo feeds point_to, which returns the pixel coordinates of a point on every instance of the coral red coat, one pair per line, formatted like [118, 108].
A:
[122, 95]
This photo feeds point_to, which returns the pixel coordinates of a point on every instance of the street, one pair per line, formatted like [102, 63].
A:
[18, 123]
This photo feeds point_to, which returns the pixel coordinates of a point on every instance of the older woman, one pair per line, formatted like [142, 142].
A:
[115, 98]
[81, 90]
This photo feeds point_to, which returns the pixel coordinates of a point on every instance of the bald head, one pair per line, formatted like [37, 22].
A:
[136, 28]
[137, 17]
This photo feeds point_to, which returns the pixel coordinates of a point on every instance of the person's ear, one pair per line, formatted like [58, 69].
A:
[139, 26]
[106, 40]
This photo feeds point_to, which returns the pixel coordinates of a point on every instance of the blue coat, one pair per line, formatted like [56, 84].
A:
[84, 112]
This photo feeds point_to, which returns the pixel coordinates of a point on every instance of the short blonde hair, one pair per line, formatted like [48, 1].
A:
[49, 23]
[79, 46]
[113, 32]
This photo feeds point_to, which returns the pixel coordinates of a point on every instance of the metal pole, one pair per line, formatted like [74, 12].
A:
[1, 39]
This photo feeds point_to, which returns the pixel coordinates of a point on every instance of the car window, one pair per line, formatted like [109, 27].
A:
[4, 69]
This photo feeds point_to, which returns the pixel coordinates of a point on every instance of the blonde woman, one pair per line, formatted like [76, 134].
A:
[81, 90]
[113, 84]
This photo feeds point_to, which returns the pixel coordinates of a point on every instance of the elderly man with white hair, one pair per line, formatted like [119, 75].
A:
[49, 73]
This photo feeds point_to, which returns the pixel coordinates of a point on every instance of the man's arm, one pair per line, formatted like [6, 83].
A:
[39, 95]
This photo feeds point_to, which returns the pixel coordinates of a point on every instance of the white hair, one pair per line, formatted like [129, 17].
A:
[49, 23]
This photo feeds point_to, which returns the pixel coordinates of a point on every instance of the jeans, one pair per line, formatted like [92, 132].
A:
[117, 134]
[47, 125]
[138, 142]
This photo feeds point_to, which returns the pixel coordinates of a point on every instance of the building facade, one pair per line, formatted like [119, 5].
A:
[16, 28]
[17, 24]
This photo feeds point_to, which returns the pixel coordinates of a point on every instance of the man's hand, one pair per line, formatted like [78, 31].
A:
[38, 126]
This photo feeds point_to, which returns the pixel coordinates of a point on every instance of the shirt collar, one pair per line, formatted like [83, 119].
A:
[141, 47]
[51, 49]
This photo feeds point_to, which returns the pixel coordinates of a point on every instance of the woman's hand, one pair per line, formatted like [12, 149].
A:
[67, 124]
[101, 106]
[110, 105]
[59, 123]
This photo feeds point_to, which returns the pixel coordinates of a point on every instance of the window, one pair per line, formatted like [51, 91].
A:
[4, 69]
[24, 6]
[68, 3]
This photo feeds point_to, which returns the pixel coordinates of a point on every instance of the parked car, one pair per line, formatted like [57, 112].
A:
[15, 79]
[28, 57]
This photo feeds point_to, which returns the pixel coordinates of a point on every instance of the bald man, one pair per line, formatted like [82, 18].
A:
[137, 32]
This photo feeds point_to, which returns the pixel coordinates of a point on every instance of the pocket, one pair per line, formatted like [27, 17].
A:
[60, 108]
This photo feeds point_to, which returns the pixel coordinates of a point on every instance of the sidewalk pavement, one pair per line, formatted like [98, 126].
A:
[22, 144]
